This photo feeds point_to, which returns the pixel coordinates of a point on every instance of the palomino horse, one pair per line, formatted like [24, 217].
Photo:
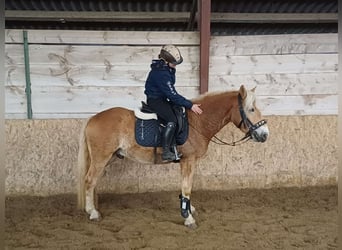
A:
[111, 133]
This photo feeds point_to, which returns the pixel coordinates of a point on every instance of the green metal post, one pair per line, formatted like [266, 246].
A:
[27, 76]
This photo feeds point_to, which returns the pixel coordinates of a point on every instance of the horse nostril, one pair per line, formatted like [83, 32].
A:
[259, 137]
[264, 137]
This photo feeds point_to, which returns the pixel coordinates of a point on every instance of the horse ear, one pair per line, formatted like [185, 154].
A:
[243, 92]
[253, 89]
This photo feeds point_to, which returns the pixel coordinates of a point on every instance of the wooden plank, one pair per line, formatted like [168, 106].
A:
[109, 57]
[299, 105]
[15, 75]
[69, 115]
[148, 38]
[97, 65]
[274, 64]
[274, 44]
[52, 99]
[229, 17]
[267, 84]
[279, 84]
[164, 16]
[68, 55]
[97, 16]
[49, 102]
[44, 75]
[220, 45]
[15, 101]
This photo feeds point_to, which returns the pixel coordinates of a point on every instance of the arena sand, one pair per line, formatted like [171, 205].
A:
[281, 218]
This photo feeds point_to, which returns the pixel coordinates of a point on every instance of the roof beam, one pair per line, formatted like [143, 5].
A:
[119, 16]
[193, 12]
[97, 16]
[274, 17]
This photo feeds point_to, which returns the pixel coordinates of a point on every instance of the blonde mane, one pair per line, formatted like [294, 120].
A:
[204, 96]
[250, 100]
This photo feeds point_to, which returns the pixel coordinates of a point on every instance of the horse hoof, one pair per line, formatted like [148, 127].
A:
[97, 219]
[192, 226]
[95, 216]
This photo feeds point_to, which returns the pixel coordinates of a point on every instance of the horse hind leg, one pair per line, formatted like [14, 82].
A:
[93, 175]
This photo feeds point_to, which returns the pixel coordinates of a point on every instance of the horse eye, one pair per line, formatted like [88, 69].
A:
[251, 110]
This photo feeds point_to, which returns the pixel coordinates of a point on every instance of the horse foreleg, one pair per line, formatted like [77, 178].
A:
[188, 170]
[94, 173]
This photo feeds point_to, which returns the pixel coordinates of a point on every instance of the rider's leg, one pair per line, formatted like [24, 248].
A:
[165, 112]
[167, 139]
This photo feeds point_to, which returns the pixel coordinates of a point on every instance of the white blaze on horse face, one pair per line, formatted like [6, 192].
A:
[251, 111]
[250, 100]
[254, 115]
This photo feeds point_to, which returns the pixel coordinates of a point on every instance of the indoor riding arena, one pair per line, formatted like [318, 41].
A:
[69, 60]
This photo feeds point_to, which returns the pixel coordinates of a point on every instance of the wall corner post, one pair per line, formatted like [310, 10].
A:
[27, 76]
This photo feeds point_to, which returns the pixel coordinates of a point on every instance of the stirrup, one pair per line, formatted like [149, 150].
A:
[178, 155]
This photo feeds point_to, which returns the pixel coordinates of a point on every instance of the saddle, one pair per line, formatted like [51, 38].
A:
[149, 127]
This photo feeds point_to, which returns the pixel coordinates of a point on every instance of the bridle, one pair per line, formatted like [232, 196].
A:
[248, 124]
[244, 119]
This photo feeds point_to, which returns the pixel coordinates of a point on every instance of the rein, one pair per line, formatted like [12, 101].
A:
[220, 142]
[244, 139]
[244, 120]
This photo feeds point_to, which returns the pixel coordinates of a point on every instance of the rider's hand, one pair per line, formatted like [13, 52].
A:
[196, 109]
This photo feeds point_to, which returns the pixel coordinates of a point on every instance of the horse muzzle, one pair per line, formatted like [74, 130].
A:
[260, 134]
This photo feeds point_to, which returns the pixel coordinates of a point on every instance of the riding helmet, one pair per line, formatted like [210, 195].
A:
[171, 54]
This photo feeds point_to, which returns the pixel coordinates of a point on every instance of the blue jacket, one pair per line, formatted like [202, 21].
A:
[160, 84]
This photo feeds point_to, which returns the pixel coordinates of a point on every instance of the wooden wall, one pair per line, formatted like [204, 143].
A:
[294, 74]
[75, 74]
[78, 73]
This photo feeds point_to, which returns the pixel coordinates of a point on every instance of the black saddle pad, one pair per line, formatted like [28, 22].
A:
[148, 132]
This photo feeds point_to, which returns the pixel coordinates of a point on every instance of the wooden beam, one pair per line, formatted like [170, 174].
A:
[193, 12]
[205, 9]
[97, 16]
[274, 17]
[122, 38]
[119, 16]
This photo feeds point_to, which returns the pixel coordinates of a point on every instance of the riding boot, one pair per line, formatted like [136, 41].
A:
[167, 139]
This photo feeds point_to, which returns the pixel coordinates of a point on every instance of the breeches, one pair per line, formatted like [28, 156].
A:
[163, 109]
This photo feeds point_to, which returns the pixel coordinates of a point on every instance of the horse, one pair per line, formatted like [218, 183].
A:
[110, 133]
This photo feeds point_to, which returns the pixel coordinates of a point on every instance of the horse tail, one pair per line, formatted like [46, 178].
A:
[83, 166]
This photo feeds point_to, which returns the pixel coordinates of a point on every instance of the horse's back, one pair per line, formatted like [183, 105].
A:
[116, 113]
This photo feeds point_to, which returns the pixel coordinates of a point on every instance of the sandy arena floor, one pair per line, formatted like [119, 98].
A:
[286, 218]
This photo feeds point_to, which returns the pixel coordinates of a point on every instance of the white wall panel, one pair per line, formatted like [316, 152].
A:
[78, 73]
